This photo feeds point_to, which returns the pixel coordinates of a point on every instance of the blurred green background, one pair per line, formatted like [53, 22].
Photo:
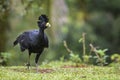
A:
[99, 19]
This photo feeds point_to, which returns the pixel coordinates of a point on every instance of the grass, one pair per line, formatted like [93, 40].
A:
[59, 71]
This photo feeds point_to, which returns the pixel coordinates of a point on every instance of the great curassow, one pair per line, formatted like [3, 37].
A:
[35, 40]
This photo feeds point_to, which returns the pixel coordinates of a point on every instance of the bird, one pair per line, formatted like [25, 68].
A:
[34, 40]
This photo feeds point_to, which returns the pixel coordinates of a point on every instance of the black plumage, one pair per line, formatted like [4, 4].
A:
[35, 40]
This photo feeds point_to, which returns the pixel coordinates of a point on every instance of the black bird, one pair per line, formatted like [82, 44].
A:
[35, 40]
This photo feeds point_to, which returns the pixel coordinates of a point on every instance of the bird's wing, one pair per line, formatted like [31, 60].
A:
[23, 40]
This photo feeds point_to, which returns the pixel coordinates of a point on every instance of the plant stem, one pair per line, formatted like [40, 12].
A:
[65, 44]
[95, 51]
[84, 48]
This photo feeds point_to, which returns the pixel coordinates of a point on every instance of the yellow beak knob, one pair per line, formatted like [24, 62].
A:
[48, 24]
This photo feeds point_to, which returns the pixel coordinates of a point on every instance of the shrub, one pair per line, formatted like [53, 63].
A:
[4, 58]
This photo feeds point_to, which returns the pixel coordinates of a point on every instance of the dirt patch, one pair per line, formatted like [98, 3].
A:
[19, 70]
[46, 70]
[75, 66]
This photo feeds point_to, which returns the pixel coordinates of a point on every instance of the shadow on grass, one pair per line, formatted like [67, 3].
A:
[75, 66]
[33, 70]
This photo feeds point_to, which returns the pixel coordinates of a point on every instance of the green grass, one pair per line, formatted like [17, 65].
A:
[59, 71]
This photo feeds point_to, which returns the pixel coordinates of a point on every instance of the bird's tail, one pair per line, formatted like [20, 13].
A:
[15, 42]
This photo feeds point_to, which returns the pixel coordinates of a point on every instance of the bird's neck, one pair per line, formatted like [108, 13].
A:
[41, 33]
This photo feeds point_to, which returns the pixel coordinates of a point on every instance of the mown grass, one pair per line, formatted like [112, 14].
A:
[59, 71]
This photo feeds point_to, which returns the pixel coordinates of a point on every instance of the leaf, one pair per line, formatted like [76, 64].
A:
[80, 40]
[101, 52]
[105, 50]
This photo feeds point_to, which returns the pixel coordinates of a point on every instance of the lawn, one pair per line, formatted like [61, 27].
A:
[59, 71]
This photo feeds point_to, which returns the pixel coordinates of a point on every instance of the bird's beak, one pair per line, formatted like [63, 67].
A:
[48, 24]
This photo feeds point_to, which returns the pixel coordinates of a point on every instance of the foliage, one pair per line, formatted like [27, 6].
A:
[100, 56]
[116, 62]
[87, 59]
[115, 57]
[4, 23]
[58, 73]
[72, 56]
[83, 41]
[75, 58]
[101, 15]
[4, 58]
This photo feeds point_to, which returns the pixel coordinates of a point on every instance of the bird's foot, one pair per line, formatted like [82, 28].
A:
[28, 65]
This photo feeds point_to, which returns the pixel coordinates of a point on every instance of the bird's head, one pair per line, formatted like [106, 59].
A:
[43, 22]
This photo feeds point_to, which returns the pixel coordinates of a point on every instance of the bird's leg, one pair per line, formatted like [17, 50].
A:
[28, 64]
[36, 61]
[37, 67]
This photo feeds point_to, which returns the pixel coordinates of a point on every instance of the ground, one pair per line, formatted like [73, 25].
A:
[59, 71]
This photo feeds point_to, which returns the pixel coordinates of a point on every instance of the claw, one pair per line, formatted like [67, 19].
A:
[28, 65]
